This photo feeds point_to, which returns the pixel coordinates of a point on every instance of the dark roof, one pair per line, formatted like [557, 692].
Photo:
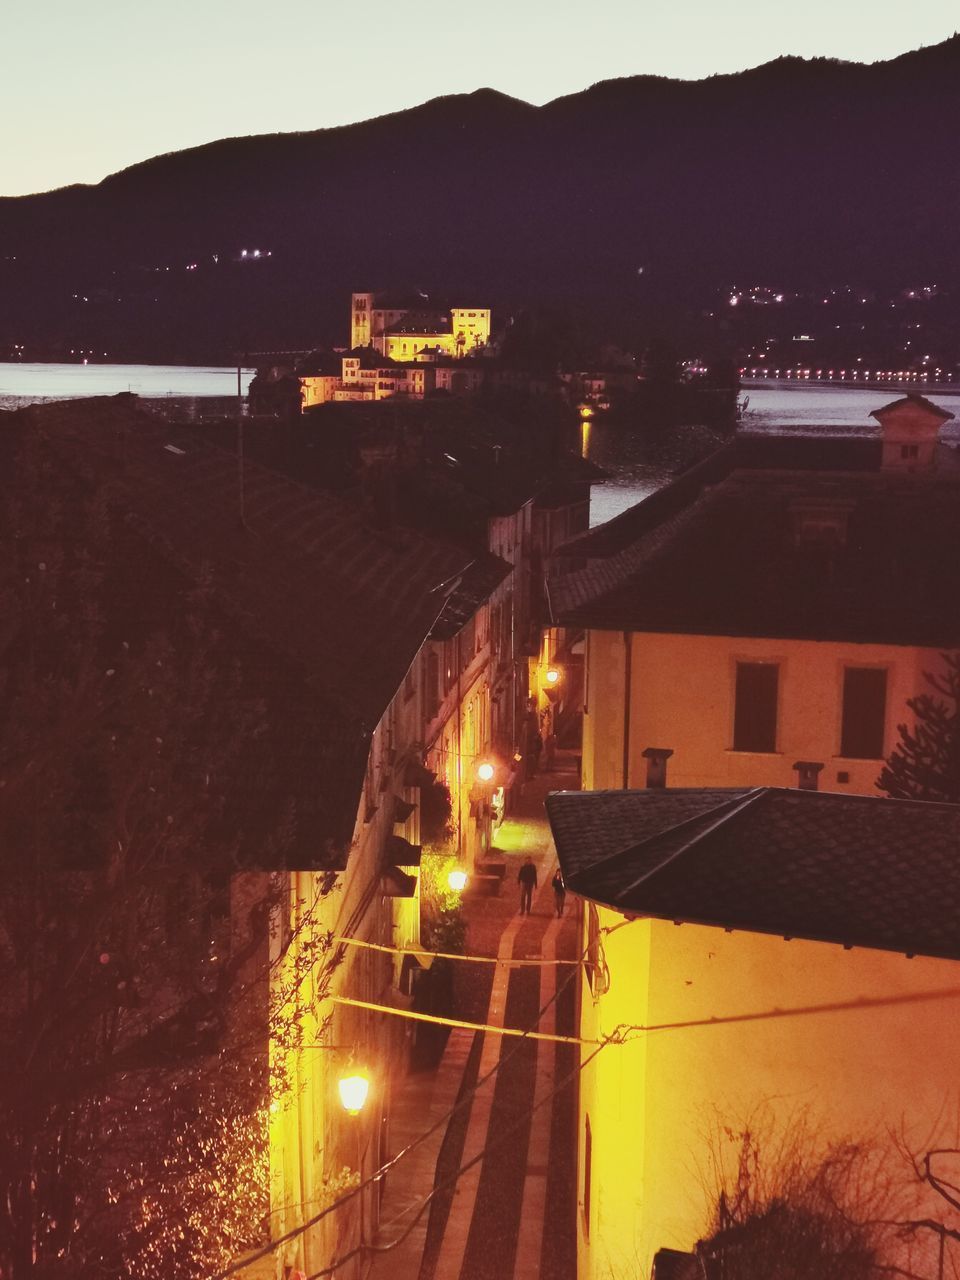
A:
[333, 610]
[320, 364]
[622, 531]
[421, 322]
[753, 451]
[854, 870]
[921, 402]
[370, 358]
[728, 562]
[352, 603]
[477, 583]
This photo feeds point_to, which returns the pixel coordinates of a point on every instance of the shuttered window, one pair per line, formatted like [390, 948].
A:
[755, 709]
[864, 712]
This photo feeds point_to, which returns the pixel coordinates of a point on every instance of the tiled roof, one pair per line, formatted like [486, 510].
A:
[352, 604]
[729, 563]
[477, 583]
[853, 870]
[370, 358]
[421, 322]
[785, 452]
[622, 531]
[320, 364]
[328, 611]
[921, 402]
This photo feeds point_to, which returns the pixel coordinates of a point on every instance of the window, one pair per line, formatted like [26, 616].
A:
[755, 710]
[909, 451]
[864, 712]
[587, 1173]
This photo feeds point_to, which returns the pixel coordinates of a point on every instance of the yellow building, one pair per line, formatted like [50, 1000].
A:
[410, 329]
[752, 619]
[762, 959]
[760, 623]
[362, 374]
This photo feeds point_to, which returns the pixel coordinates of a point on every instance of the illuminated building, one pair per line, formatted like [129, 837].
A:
[758, 624]
[407, 329]
[776, 605]
[361, 374]
[795, 956]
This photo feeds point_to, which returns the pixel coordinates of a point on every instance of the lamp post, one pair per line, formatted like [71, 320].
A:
[457, 879]
[353, 1089]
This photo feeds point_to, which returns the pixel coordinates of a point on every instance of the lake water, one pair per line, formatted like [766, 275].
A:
[22, 384]
[196, 392]
[780, 409]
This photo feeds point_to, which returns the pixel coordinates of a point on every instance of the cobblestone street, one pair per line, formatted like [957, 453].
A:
[512, 1214]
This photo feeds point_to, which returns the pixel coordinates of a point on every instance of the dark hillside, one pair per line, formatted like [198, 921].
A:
[808, 173]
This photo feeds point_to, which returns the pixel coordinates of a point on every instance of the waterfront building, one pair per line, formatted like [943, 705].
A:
[406, 329]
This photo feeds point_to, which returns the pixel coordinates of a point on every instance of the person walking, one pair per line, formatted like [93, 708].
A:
[559, 890]
[527, 877]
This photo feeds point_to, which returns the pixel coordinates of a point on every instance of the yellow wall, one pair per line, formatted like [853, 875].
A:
[405, 346]
[858, 1072]
[317, 390]
[312, 1140]
[682, 697]
[474, 324]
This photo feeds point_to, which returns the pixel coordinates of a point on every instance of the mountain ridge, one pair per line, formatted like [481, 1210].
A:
[796, 171]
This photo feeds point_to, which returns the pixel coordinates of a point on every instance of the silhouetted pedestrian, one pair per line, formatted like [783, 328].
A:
[559, 890]
[527, 877]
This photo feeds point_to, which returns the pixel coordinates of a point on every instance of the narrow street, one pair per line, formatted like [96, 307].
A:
[511, 1214]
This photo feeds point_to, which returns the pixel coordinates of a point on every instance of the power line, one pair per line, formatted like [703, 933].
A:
[451, 955]
[454, 1178]
[378, 1174]
[458, 1022]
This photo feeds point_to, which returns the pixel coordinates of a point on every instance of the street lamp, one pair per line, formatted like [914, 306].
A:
[485, 771]
[457, 880]
[552, 676]
[353, 1092]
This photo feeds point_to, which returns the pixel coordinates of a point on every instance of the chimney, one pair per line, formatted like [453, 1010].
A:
[807, 774]
[911, 430]
[656, 758]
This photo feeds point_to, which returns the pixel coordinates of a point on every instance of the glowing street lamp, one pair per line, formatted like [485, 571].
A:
[485, 771]
[353, 1092]
[457, 880]
[552, 676]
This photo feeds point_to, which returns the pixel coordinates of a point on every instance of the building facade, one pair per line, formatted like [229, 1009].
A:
[755, 623]
[405, 329]
[747, 982]
[760, 624]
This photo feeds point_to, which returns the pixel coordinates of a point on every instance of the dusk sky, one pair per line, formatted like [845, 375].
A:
[89, 89]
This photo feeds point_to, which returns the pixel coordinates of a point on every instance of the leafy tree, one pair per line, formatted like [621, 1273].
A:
[925, 763]
[134, 1006]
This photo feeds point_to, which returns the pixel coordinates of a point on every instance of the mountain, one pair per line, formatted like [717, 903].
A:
[797, 173]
